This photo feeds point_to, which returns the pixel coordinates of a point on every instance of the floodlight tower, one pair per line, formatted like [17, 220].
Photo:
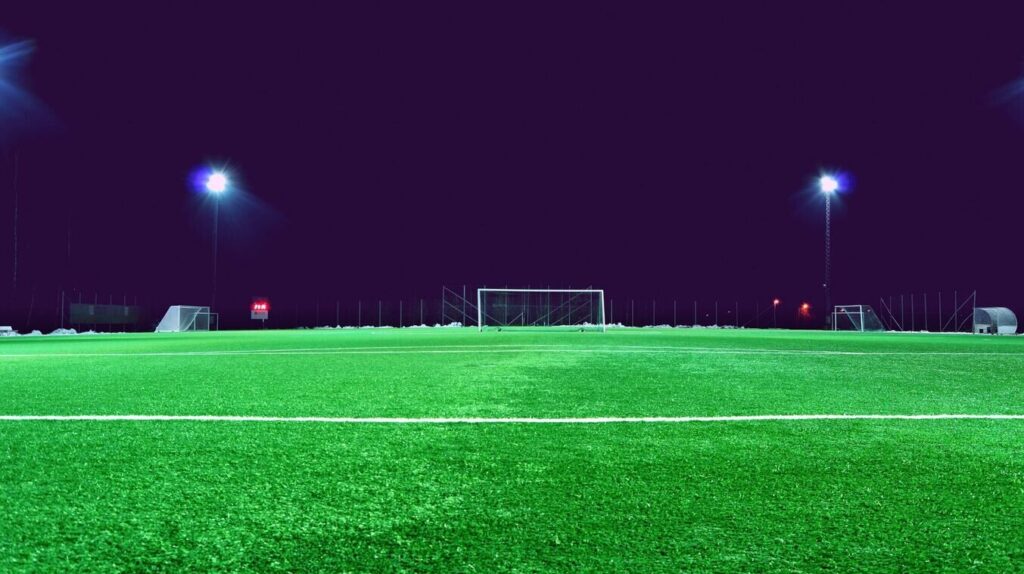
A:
[216, 185]
[829, 185]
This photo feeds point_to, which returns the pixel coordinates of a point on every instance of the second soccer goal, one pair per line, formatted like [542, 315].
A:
[541, 309]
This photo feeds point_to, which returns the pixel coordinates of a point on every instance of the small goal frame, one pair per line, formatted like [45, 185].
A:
[855, 316]
[197, 318]
[602, 325]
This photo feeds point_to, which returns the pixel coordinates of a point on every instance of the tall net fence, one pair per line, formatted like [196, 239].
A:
[88, 310]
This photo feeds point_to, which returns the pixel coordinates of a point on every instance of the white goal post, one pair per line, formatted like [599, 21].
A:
[559, 309]
[184, 318]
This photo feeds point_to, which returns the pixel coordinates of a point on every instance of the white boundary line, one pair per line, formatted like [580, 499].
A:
[509, 420]
[471, 349]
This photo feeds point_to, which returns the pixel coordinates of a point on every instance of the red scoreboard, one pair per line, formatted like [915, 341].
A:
[259, 309]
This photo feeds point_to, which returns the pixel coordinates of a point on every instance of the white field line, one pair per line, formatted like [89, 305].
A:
[473, 349]
[389, 349]
[508, 420]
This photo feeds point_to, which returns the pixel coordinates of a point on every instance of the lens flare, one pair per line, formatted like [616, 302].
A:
[217, 182]
[828, 184]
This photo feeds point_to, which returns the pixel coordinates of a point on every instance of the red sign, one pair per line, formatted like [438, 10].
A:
[259, 309]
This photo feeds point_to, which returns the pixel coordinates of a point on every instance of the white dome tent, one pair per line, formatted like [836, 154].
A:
[994, 321]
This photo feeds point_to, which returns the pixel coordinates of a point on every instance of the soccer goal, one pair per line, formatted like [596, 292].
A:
[547, 309]
[182, 318]
[855, 318]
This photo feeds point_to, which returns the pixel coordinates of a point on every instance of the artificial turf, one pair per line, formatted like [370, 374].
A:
[633, 497]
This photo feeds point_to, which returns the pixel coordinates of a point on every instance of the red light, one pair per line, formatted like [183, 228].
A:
[776, 302]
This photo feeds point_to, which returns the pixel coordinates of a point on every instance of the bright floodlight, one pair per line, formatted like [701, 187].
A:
[828, 184]
[217, 182]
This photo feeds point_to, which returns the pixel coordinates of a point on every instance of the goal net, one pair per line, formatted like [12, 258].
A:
[855, 318]
[183, 318]
[557, 309]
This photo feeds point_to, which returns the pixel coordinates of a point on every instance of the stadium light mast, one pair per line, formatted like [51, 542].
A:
[829, 186]
[216, 185]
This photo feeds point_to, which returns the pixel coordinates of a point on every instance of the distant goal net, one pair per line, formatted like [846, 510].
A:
[541, 309]
[855, 318]
[186, 318]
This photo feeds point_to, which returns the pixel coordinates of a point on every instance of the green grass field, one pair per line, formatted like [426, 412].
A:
[752, 496]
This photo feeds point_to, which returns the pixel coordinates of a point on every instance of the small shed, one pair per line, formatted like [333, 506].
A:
[994, 321]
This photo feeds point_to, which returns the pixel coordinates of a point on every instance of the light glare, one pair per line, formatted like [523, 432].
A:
[217, 182]
[828, 184]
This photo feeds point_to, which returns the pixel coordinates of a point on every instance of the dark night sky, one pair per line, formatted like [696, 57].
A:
[386, 151]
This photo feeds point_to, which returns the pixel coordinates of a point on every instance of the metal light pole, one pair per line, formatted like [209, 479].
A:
[828, 260]
[216, 185]
[828, 185]
[216, 220]
[12, 58]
